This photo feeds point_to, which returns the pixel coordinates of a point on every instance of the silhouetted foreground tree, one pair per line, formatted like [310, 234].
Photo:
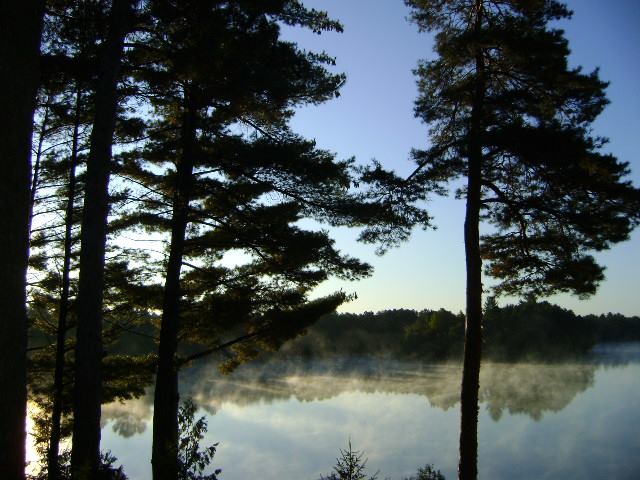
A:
[508, 114]
[219, 65]
[222, 173]
[87, 380]
[62, 120]
[20, 31]
[219, 86]
[106, 468]
[75, 75]
[192, 461]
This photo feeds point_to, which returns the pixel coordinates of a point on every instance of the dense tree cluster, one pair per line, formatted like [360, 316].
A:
[152, 211]
[526, 331]
[163, 124]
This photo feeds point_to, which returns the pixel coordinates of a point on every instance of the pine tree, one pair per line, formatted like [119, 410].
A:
[87, 386]
[72, 39]
[351, 465]
[210, 68]
[61, 203]
[63, 142]
[508, 114]
[69, 45]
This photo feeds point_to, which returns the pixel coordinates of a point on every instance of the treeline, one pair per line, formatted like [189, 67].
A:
[153, 186]
[160, 210]
[528, 330]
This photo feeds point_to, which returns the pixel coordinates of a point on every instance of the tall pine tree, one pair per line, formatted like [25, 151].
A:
[212, 68]
[509, 115]
[87, 386]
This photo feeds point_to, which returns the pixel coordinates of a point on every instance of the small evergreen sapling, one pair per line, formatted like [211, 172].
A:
[350, 466]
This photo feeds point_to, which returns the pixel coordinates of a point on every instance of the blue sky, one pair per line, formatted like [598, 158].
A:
[373, 118]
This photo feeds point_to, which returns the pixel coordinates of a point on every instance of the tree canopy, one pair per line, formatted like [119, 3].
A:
[508, 114]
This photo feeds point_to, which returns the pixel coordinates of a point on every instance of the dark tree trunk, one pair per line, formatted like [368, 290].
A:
[88, 381]
[166, 397]
[20, 31]
[468, 466]
[53, 468]
[468, 469]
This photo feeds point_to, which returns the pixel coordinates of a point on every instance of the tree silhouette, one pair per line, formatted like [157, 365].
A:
[20, 31]
[73, 40]
[210, 71]
[47, 242]
[87, 383]
[508, 114]
[64, 116]
[216, 90]
[192, 461]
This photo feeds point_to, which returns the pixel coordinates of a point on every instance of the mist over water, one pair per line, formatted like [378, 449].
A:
[284, 420]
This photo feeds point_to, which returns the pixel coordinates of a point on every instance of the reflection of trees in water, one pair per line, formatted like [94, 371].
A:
[128, 418]
[531, 389]
[616, 354]
[439, 383]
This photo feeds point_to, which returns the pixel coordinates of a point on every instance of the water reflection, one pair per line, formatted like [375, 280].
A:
[128, 418]
[522, 388]
[532, 389]
[570, 420]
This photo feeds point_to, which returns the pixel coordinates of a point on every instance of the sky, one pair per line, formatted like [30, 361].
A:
[373, 118]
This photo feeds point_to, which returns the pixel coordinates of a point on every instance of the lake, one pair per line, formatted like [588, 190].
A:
[570, 420]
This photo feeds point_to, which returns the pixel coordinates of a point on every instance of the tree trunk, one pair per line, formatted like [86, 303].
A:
[20, 31]
[468, 469]
[88, 380]
[53, 467]
[468, 466]
[166, 397]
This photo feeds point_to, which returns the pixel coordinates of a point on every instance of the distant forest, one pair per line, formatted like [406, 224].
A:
[529, 330]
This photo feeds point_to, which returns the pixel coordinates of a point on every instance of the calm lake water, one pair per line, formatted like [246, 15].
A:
[565, 421]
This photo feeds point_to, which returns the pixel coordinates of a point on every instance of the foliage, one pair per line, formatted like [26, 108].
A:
[528, 330]
[106, 469]
[507, 114]
[350, 465]
[501, 91]
[222, 173]
[428, 472]
[192, 462]
[536, 330]
[124, 377]
[210, 165]
[435, 334]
